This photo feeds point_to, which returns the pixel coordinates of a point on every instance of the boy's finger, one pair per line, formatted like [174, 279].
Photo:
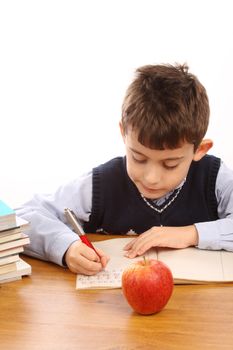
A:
[89, 266]
[129, 245]
[103, 258]
[100, 252]
[130, 254]
[104, 261]
[90, 254]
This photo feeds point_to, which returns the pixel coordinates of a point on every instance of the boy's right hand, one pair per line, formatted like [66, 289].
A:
[82, 259]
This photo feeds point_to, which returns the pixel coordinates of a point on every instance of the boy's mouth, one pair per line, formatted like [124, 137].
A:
[151, 191]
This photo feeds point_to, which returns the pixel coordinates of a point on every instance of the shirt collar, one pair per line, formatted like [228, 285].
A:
[161, 200]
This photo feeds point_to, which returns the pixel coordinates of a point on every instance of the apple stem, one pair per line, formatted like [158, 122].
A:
[145, 261]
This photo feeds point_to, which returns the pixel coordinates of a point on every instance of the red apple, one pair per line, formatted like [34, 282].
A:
[147, 285]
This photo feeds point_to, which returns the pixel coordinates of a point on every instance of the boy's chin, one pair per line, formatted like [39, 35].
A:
[152, 197]
[152, 194]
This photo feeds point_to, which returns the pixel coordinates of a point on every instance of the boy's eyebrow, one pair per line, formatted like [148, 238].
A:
[167, 159]
[135, 151]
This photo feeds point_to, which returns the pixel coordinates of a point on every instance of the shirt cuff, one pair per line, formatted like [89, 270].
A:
[60, 246]
[208, 235]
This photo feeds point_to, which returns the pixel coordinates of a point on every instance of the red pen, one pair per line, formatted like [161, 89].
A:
[72, 219]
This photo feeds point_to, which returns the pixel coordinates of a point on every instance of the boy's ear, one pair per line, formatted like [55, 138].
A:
[202, 149]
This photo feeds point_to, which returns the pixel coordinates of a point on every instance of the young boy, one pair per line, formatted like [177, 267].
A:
[166, 189]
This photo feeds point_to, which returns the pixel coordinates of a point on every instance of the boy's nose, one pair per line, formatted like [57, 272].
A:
[152, 176]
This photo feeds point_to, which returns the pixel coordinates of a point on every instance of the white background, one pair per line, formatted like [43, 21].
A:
[64, 69]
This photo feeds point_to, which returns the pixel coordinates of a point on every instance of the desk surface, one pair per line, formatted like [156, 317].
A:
[44, 311]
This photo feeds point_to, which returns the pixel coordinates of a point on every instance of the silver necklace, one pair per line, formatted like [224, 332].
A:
[166, 205]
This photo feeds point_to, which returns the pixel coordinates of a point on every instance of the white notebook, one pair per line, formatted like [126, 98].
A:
[189, 265]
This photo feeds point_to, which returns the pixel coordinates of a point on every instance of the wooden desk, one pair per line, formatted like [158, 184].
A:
[45, 312]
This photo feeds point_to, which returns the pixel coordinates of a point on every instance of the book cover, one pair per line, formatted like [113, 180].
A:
[12, 237]
[16, 243]
[20, 225]
[7, 216]
[11, 251]
[7, 268]
[22, 269]
[9, 259]
[5, 210]
[11, 231]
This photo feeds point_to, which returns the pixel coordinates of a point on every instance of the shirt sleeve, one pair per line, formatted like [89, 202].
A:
[50, 234]
[218, 234]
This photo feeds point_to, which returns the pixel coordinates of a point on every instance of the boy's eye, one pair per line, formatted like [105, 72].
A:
[138, 160]
[170, 167]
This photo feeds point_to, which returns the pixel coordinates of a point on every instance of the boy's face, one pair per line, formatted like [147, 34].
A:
[156, 172]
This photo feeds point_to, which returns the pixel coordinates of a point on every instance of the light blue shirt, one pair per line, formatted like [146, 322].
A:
[50, 236]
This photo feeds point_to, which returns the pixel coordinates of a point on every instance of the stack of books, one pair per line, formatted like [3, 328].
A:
[12, 241]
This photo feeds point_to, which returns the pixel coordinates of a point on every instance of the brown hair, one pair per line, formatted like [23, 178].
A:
[166, 105]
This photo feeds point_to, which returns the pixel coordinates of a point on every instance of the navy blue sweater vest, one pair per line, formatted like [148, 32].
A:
[117, 206]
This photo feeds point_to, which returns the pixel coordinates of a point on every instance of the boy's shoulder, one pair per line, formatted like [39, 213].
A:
[208, 160]
[208, 166]
[113, 171]
[114, 163]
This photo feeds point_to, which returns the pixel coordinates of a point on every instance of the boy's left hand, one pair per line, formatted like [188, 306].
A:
[162, 236]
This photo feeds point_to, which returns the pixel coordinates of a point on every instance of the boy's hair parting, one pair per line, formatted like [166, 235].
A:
[166, 105]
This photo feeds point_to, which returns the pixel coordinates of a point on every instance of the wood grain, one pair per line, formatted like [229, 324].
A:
[44, 311]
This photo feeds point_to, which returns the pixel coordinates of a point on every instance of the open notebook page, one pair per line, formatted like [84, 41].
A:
[197, 265]
[110, 277]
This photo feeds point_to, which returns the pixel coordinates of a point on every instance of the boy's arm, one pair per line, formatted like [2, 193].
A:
[218, 234]
[50, 237]
[162, 236]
